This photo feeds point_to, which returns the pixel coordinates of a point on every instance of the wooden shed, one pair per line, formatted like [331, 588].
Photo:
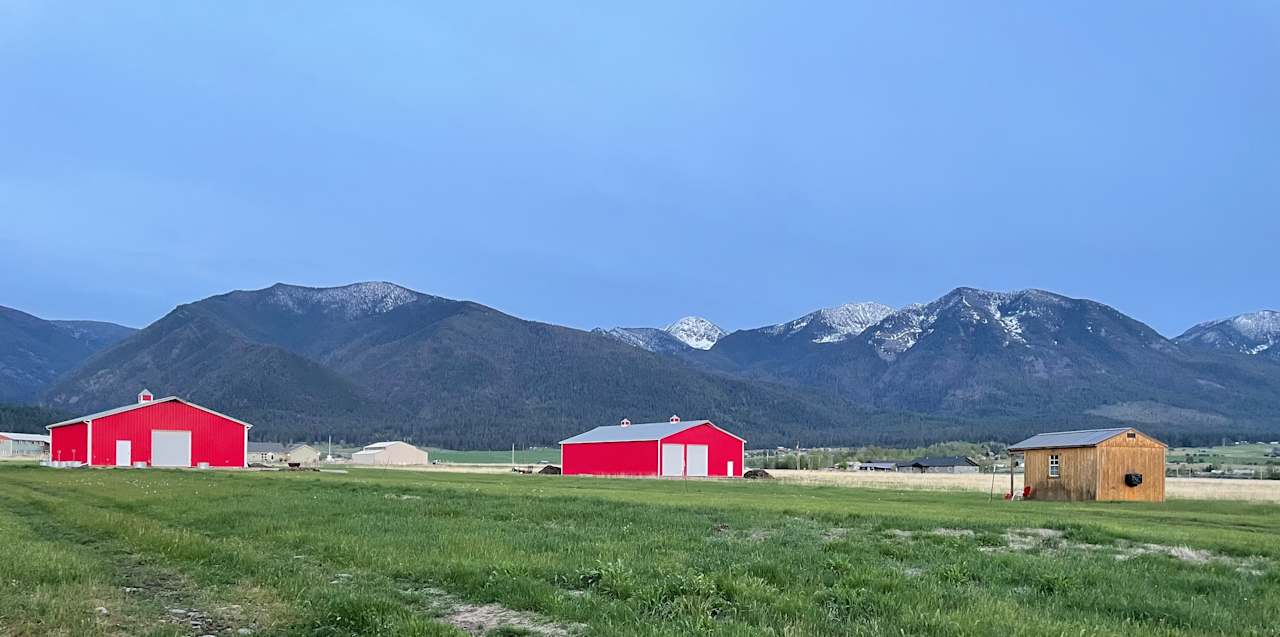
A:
[1094, 464]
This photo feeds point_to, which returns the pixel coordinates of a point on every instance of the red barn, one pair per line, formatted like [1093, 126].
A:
[696, 448]
[163, 432]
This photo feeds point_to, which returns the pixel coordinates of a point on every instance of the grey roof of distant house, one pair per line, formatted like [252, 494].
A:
[942, 461]
[637, 433]
[266, 447]
[1059, 439]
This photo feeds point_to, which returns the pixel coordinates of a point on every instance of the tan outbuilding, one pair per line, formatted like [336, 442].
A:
[1094, 464]
[390, 453]
[303, 454]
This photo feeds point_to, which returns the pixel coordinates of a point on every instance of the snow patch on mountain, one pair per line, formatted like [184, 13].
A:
[1252, 333]
[835, 324]
[696, 332]
[1264, 325]
[646, 338]
[351, 301]
[1007, 311]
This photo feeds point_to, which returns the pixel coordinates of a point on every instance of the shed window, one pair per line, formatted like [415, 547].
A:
[1053, 466]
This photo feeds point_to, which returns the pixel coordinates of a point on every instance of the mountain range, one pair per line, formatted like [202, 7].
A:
[370, 360]
[35, 351]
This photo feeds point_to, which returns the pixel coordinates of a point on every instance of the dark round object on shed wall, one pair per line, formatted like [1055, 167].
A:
[1132, 479]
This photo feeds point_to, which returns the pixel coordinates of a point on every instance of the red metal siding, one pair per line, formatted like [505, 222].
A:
[214, 439]
[610, 458]
[68, 443]
[721, 449]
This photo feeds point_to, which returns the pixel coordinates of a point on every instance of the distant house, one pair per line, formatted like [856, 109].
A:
[303, 454]
[944, 464]
[395, 452]
[266, 452]
[878, 465]
[23, 445]
[1094, 464]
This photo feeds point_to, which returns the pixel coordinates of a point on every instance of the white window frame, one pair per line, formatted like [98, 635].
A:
[1055, 466]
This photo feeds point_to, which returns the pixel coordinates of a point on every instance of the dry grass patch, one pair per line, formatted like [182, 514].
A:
[1175, 488]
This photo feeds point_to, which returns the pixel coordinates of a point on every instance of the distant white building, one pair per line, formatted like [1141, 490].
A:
[394, 452]
[303, 454]
[23, 445]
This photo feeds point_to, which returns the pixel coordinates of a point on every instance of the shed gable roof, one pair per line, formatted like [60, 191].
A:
[1062, 439]
[121, 410]
[644, 432]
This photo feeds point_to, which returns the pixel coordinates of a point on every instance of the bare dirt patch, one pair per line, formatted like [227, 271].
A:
[482, 619]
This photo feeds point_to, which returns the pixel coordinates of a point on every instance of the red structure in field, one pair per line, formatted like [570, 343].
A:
[696, 448]
[155, 432]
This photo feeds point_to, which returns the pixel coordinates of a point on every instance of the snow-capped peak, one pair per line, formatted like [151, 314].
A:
[1252, 333]
[1262, 325]
[835, 324]
[696, 332]
[352, 301]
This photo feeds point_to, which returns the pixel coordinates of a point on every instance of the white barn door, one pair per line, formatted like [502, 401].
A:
[672, 460]
[697, 461]
[171, 448]
[124, 453]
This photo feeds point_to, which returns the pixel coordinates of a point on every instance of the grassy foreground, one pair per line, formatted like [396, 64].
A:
[115, 552]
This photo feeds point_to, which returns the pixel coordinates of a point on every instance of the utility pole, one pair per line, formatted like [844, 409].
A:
[513, 455]
[1011, 476]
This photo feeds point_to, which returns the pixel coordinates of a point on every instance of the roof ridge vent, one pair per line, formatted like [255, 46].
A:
[673, 419]
[145, 396]
[626, 422]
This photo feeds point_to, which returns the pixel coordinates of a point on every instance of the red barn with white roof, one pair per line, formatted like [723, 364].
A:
[695, 448]
[155, 432]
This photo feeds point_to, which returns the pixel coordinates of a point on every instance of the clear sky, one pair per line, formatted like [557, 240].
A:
[588, 164]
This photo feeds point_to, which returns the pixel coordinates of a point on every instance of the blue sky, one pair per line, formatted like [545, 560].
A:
[595, 165]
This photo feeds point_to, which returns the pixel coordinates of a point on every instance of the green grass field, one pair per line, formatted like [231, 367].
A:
[523, 456]
[1230, 455]
[119, 552]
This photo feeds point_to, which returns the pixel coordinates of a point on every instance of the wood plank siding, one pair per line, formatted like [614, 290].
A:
[1077, 471]
[1121, 455]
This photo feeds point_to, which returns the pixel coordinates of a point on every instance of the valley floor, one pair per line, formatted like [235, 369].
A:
[153, 552]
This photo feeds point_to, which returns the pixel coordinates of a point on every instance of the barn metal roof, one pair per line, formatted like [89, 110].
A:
[121, 410]
[384, 445]
[637, 433]
[1059, 439]
[24, 437]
